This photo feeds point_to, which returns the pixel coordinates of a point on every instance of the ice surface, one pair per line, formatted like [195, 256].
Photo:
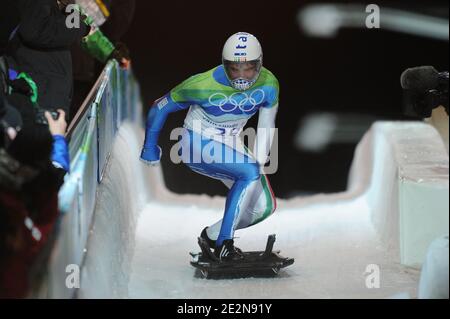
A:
[331, 237]
[332, 246]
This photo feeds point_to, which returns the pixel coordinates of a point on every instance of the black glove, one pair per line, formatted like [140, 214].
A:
[21, 86]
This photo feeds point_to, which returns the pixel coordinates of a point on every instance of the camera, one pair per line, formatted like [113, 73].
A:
[40, 116]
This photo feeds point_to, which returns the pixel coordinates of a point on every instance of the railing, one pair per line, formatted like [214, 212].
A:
[114, 98]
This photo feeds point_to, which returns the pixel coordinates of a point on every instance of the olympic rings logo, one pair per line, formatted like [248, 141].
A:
[239, 100]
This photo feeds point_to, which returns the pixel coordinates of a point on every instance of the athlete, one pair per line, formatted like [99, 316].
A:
[220, 102]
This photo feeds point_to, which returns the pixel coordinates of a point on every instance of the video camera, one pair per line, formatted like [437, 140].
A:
[424, 90]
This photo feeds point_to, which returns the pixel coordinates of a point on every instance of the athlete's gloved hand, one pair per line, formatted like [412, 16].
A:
[151, 155]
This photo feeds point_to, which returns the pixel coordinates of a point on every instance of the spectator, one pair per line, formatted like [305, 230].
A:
[10, 119]
[41, 48]
[31, 173]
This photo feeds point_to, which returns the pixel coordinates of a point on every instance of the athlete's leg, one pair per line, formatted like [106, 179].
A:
[245, 176]
[262, 204]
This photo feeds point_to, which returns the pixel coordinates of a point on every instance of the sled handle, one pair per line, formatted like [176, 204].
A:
[269, 247]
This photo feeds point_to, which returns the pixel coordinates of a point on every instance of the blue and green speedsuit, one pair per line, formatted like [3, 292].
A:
[216, 117]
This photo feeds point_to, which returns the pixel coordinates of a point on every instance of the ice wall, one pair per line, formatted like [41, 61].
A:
[121, 196]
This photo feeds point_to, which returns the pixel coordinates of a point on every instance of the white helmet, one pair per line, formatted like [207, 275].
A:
[242, 51]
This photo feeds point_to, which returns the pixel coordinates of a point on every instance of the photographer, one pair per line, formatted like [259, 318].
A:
[32, 169]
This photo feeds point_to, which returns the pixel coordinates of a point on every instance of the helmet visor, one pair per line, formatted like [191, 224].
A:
[244, 74]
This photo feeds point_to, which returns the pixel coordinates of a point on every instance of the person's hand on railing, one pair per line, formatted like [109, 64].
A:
[125, 64]
[151, 155]
[122, 55]
[58, 126]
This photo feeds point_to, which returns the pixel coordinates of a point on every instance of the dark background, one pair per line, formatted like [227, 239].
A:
[356, 72]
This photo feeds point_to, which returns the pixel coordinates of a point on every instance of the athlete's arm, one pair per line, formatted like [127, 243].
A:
[265, 133]
[157, 116]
